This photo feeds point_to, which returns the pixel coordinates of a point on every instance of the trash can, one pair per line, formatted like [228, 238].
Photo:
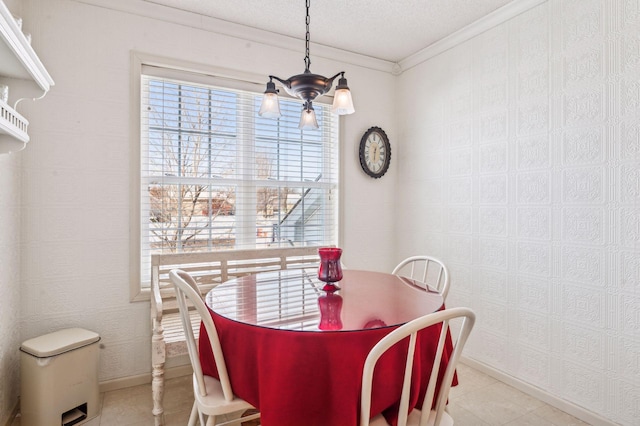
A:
[59, 377]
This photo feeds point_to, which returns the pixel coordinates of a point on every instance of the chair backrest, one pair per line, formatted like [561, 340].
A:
[427, 269]
[185, 290]
[189, 280]
[411, 330]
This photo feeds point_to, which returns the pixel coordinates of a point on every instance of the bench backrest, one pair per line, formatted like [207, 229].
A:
[212, 268]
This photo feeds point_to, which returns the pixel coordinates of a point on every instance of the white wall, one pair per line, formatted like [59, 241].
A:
[10, 181]
[75, 191]
[520, 167]
[9, 282]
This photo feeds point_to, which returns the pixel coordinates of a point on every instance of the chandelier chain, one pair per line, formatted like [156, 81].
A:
[307, 59]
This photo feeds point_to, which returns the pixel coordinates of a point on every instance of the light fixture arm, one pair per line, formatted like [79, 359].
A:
[285, 83]
[330, 80]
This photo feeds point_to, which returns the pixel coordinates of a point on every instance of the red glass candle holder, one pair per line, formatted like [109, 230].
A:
[330, 270]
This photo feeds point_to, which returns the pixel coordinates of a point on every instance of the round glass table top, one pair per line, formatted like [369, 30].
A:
[294, 300]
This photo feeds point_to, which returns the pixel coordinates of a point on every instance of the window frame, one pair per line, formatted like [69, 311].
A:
[199, 74]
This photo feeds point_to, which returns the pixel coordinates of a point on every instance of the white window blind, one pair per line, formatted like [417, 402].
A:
[216, 176]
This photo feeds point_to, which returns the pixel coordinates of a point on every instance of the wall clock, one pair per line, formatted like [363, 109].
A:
[375, 152]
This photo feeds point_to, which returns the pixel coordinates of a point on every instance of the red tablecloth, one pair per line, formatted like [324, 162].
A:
[314, 378]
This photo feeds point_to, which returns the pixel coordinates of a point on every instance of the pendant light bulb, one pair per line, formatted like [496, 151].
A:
[270, 107]
[342, 101]
[308, 118]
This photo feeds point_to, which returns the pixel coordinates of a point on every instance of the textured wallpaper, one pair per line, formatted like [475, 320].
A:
[9, 283]
[522, 171]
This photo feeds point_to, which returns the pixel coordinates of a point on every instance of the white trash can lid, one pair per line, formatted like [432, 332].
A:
[59, 342]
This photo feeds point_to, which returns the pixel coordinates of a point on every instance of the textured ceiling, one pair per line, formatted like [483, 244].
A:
[390, 30]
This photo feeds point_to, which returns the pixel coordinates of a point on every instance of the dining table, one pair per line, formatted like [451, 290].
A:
[295, 349]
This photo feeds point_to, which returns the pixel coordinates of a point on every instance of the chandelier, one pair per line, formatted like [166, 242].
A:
[307, 86]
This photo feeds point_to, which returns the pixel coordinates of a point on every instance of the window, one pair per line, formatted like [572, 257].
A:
[216, 176]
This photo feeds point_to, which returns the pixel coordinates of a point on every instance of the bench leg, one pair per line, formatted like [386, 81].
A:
[157, 390]
[158, 355]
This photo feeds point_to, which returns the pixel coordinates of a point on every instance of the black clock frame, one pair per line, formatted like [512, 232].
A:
[363, 162]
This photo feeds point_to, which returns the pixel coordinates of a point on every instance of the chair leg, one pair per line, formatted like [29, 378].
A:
[211, 421]
[194, 415]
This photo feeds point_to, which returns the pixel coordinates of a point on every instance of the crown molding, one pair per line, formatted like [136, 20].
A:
[214, 25]
[474, 29]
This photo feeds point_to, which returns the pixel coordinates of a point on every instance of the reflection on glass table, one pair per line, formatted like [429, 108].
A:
[289, 299]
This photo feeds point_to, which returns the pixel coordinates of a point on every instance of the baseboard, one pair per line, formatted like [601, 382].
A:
[566, 406]
[143, 379]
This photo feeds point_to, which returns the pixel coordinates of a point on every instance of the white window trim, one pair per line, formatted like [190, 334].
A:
[229, 78]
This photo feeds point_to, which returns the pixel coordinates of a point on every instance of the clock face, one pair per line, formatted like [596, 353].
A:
[375, 152]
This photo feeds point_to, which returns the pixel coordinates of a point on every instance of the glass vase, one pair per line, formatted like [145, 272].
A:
[330, 270]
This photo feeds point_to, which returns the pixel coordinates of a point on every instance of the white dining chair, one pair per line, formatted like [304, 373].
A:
[427, 269]
[189, 279]
[424, 416]
[213, 397]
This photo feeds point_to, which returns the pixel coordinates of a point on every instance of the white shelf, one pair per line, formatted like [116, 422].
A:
[13, 129]
[19, 60]
[24, 73]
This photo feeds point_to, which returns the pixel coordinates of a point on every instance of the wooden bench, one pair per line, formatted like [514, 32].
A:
[208, 269]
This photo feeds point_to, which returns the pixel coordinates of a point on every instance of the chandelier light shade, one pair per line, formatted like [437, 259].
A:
[342, 102]
[270, 107]
[308, 118]
[307, 86]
